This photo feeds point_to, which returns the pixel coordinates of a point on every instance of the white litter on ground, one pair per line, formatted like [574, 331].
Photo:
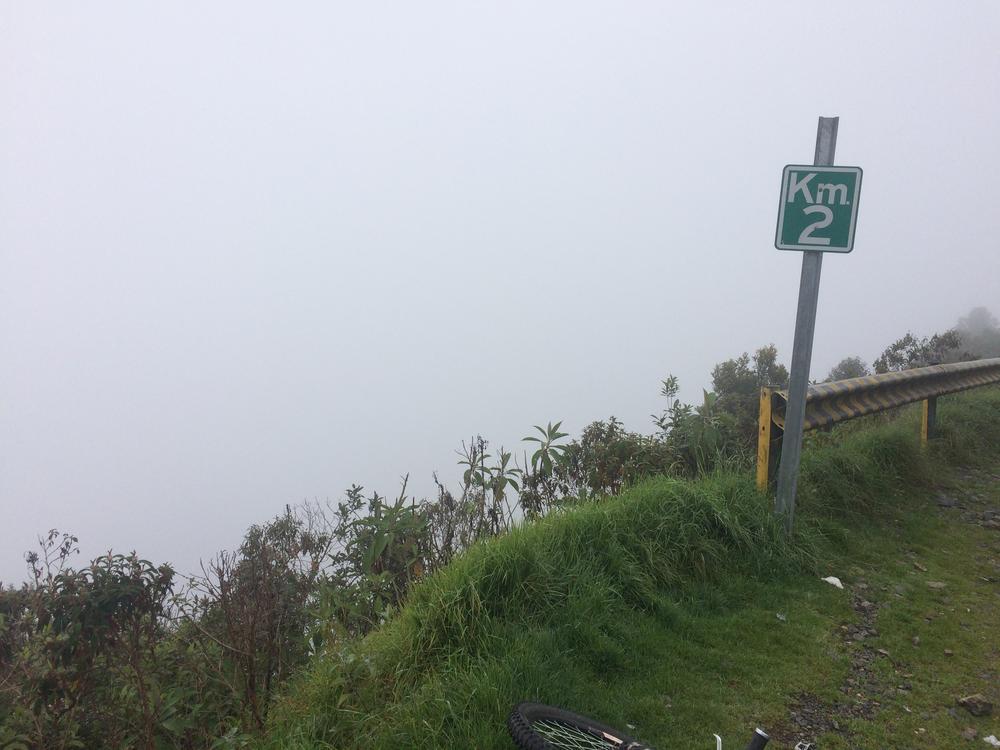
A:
[833, 581]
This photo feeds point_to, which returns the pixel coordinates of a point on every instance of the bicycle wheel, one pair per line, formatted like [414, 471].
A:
[535, 726]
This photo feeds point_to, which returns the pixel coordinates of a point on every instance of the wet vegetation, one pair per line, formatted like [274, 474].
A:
[355, 623]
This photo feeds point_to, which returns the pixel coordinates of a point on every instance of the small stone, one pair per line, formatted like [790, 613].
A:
[976, 704]
[938, 585]
[969, 733]
[949, 652]
[919, 567]
[916, 640]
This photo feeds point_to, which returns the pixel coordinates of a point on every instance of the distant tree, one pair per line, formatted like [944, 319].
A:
[910, 351]
[737, 383]
[978, 321]
[767, 370]
[980, 333]
[848, 367]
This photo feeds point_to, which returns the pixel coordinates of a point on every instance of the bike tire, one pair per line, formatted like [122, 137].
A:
[535, 726]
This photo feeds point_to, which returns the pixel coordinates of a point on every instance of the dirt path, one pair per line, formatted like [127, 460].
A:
[899, 683]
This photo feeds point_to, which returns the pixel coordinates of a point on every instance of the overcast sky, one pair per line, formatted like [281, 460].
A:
[251, 253]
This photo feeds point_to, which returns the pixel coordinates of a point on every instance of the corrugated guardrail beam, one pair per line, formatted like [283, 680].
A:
[839, 400]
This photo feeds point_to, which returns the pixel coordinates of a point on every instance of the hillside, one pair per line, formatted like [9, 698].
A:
[680, 609]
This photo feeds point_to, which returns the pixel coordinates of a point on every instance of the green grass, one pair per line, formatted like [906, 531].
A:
[658, 609]
[916, 544]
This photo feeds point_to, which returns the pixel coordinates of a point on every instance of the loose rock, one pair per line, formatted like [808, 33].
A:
[976, 704]
[945, 501]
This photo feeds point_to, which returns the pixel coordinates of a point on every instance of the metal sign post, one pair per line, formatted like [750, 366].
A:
[817, 213]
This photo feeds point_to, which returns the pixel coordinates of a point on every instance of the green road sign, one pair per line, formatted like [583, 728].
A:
[818, 208]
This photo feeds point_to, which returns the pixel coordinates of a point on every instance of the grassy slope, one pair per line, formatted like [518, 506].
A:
[658, 609]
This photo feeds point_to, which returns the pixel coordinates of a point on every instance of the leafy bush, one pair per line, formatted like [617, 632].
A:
[80, 650]
[607, 458]
[250, 607]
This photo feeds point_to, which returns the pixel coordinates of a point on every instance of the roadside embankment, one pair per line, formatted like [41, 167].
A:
[678, 608]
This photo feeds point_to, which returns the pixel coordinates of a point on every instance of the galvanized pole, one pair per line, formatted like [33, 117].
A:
[805, 326]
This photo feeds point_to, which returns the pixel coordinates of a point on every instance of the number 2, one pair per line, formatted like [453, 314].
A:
[806, 237]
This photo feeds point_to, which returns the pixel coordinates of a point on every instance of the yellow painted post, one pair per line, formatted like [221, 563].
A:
[764, 440]
[927, 422]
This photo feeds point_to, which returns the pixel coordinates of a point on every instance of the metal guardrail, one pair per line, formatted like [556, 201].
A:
[840, 400]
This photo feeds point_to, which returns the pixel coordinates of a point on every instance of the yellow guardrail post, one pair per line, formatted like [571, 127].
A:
[929, 418]
[768, 437]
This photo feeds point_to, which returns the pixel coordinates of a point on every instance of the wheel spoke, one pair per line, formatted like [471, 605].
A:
[568, 737]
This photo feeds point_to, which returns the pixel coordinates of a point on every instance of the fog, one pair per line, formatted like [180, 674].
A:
[251, 253]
